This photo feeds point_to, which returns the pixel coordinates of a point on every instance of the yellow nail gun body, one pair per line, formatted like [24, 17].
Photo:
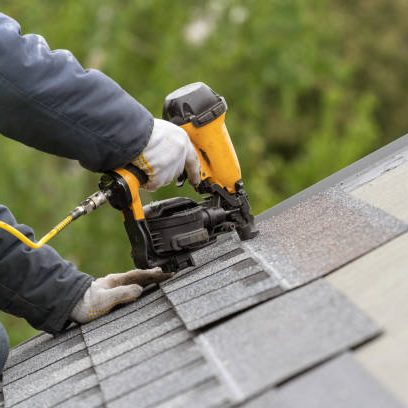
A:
[165, 233]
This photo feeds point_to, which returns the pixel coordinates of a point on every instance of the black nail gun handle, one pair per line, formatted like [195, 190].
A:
[122, 186]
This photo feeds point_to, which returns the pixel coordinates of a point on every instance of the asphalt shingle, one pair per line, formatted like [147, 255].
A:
[378, 284]
[382, 193]
[362, 171]
[210, 393]
[305, 242]
[91, 398]
[150, 370]
[46, 377]
[183, 380]
[42, 359]
[284, 337]
[38, 344]
[144, 313]
[219, 287]
[64, 391]
[134, 337]
[179, 346]
[320, 234]
[137, 355]
[340, 383]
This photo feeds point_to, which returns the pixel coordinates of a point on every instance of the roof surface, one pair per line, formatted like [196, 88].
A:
[311, 313]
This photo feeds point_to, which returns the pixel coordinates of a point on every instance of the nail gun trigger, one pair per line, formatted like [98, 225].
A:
[181, 179]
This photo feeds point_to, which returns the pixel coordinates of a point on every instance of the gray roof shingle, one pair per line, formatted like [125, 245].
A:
[82, 384]
[340, 383]
[284, 337]
[285, 255]
[253, 324]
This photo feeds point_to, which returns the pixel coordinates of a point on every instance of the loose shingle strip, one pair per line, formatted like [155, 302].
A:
[283, 337]
[340, 383]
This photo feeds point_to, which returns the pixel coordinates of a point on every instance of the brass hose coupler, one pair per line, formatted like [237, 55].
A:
[93, 202]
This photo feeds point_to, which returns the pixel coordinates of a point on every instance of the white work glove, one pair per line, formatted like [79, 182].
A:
[168, 152]
[118, 288]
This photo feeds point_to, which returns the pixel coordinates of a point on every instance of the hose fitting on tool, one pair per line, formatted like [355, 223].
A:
[90, 204]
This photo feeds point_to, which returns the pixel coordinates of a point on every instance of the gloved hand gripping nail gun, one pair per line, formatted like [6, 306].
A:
[165, 233]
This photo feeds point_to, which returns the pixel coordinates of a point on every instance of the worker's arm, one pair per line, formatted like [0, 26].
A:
[37, 284]
[48, 101]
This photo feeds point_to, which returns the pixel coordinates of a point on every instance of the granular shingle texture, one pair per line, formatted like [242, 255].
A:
[46, 377]
[83, 384]
[220, 287]
[320, 234]
[340, 383]
[309, 240]
[303, 328]
[253, 324]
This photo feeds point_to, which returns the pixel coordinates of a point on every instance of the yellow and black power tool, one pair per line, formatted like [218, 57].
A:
[166, 233]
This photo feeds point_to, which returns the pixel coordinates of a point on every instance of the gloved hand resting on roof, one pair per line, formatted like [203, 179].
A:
[168, 152]
[119, 288]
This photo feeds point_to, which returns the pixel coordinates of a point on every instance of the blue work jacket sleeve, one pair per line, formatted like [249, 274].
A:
[48, 101]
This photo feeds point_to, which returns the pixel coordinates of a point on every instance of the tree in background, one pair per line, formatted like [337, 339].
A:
[311, 86]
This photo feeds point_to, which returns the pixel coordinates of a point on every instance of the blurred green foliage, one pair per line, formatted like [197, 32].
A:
[312, 86]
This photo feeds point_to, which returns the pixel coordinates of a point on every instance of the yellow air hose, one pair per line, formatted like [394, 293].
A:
[35, 245]
[90, 204]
